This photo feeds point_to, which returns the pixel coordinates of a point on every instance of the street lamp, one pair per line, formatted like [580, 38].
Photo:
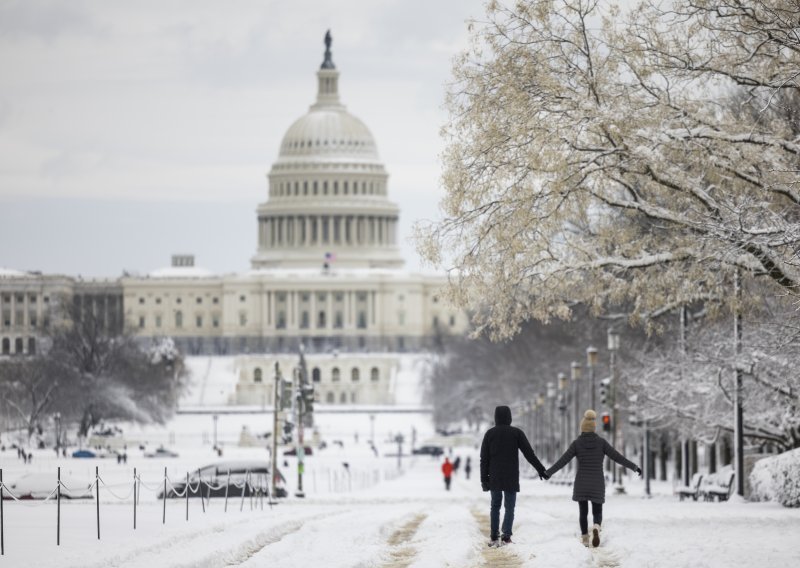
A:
[563, 406]
[591, 362]
[539, 420]
[215, 430]
[613, 347]
[551, 396]
[577, 372]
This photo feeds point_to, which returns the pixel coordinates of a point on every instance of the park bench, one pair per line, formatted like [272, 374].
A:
[718, 486]
[692, 490]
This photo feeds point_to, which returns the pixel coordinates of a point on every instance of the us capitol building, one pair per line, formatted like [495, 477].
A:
[327, 273]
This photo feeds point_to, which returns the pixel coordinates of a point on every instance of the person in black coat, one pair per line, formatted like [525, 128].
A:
[500, 470]
[590, 483]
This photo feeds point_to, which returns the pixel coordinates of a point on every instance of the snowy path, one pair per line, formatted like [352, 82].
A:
[410, 522]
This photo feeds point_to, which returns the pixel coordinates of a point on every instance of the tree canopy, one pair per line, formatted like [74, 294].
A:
[610, 157]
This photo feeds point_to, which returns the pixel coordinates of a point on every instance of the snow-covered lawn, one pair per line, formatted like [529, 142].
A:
[406, 520]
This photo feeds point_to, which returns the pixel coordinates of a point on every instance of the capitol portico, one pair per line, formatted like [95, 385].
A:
[327, 270]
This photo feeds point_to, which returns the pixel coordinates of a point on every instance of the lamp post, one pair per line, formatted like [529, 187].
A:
[57, 420]
[613, 347]
[551, 397]
[372, 429]
[539, 422]
[563, 408]
[216, 418]
[591, 362]
[577, 372]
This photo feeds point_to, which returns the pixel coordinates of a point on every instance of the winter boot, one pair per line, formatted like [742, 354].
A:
[494, 542]
[505, 539]
[596, 536]
[585, 540]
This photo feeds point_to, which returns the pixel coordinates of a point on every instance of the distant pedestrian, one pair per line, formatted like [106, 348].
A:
[468, 467]
[456, 464]
[447, 470]
[590, 483]
[500, 471]
[30, 457]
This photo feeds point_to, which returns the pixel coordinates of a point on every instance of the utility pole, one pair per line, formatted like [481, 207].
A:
[275, 410]
[301, 381]
[613, 347]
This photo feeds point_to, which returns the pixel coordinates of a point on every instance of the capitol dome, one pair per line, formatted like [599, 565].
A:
[328, 132]
[328, 201]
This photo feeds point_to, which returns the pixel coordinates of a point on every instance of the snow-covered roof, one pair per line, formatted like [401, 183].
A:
[11, 273]
[181, 272]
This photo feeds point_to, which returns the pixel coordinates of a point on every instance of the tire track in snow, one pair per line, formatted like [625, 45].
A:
[501, 557]
[401, 553]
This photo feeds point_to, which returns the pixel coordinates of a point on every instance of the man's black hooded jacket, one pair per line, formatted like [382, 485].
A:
[500, 453]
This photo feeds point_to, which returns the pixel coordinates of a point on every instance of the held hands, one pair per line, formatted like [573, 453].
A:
[543, 475]
[638, 471]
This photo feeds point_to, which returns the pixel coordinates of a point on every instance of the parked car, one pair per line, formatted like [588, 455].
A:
[84, 454]
[293, 451]
[429, 450]
[216, 475]
[161, 452]
[41, 485]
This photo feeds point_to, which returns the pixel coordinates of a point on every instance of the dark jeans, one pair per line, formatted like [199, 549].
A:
[498, 498]
[447, 483]
[597, 515]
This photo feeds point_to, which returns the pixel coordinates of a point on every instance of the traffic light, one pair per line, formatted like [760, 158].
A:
[604, 390]
[308, 398]
[286, 394]
[606, 419]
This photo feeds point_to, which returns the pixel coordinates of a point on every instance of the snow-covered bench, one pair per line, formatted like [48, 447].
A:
[693, 489]
[718, 486]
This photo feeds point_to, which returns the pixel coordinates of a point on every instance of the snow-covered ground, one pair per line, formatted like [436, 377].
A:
[375, 517]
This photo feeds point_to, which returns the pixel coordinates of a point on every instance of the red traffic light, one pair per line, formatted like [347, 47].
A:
[606, 418]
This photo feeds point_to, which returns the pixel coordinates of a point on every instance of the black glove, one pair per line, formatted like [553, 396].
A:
[638, 471]
[544, 475]
[485, 486]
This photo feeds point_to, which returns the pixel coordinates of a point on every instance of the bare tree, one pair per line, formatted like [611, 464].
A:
[29, 388]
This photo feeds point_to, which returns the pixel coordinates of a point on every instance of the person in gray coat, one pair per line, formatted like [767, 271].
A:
[590, 483]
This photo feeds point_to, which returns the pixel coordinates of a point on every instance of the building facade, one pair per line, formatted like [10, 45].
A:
[327, 273]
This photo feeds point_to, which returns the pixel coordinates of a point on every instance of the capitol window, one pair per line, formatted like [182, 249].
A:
[316, 375]
[329, 398]
[141, 322]
[199, 321]
[343, 398]
[215, 321]
[315, 188]
[242, 298]
[158, 321]
[374, 374]
[280, 323]
[321, 319]
[199, 300]
[257, 376]
[178, 301]
[336, 188]
[141, 300]
[178, 319]
[304, 323]
[158, 300]
[335, 375]
[355, 375]
[338, 320]
[243, 319]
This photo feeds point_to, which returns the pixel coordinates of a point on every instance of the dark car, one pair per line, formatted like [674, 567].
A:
[213, 480]
[293, 451]
[428, 450]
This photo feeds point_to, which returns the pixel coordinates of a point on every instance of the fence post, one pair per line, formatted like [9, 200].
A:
[200, 490]
[134, 498]
[97, 488]
[244, 488]
[187, 495]
[227, 487]
[2, 539]
[164, 512]
[58, 509]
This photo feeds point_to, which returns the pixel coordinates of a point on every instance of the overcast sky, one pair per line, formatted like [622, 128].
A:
[133, 130]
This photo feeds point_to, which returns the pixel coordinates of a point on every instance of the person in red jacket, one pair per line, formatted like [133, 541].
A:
[447, 470]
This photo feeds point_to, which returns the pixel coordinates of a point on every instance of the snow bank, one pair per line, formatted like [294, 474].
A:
[777, 479]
